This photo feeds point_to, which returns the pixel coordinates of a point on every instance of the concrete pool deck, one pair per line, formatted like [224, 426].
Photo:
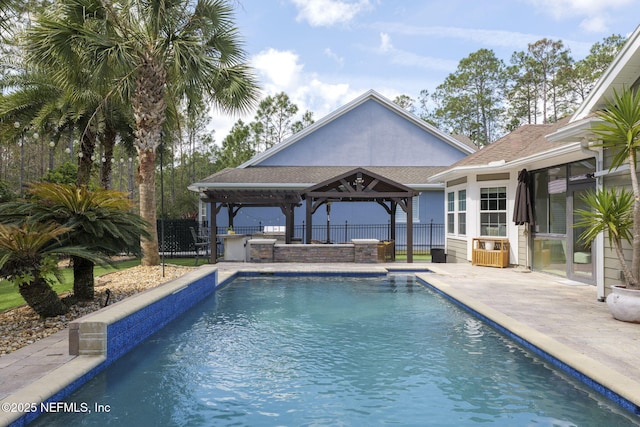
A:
[562, 317]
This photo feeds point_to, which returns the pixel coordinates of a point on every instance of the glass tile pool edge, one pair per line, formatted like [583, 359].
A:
[557, 354]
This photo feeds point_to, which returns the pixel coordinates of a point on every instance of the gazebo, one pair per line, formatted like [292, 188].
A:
[361, 185]
[357, 185]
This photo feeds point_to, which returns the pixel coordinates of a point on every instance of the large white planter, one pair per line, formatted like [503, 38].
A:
[624, 304]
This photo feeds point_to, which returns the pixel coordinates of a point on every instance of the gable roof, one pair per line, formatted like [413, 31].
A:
[367, 96]
[371, 182]
[359, 184]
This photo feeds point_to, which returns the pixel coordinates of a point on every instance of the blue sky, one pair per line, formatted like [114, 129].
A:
[324, 53]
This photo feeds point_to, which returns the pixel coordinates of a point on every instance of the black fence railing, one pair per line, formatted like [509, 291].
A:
[179, 242]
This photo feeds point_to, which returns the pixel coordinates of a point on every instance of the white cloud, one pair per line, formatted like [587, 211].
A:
[278, 68]
[385, 42]
[281, 71]
[325, 13]
[410, 59]
[486, 37]
[596, 24]
[334, 56]
[489, 38]
[595, 13]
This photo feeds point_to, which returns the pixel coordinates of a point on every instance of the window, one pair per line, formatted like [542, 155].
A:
[462, 212]
[451, 215]
[493, 211]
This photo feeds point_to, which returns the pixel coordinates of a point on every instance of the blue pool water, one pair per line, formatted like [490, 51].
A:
[301, 351]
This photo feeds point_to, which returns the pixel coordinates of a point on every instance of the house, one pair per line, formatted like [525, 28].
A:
[562, 164]
[370, 135]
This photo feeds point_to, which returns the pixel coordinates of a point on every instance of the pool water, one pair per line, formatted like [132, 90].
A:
[298, 351]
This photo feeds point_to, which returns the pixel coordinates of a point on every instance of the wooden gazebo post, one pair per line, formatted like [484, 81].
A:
[409, 229]
[309, 220]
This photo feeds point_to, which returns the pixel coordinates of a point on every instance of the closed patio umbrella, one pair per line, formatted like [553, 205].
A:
[523, 208]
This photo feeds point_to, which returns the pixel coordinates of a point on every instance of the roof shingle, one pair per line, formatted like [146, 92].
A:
[306, 175]
[525, 141]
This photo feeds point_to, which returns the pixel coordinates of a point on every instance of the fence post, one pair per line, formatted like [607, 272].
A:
[346, 228]
[431, 235]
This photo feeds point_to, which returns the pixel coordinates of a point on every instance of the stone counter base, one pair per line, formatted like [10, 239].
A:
[358, 251]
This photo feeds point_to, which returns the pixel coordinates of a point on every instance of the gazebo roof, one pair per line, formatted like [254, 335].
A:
[302, 177]
[359, 185]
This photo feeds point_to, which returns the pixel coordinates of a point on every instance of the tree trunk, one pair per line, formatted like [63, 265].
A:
[106, 171]
[147, 187]
[42, 299]
[87, 149]
[149, 109]
[83, 281]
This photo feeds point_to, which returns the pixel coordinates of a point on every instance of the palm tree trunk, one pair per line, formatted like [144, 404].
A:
[87, 148]
[149, 109]
[106, 171]
[83, 281]
[42, 299]
[147, 188]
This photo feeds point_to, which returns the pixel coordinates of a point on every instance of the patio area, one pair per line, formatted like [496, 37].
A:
[561, 316]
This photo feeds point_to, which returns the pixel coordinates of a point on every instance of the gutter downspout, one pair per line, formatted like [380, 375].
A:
[599, 242]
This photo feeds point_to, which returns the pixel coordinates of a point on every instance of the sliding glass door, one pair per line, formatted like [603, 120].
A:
[580, 262]
[558, 193]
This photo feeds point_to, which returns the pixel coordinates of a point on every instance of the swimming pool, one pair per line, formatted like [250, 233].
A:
[333, 351]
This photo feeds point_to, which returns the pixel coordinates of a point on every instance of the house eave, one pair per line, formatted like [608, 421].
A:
[199, 187]
[576, 131]
[203, 186]
[503, 166]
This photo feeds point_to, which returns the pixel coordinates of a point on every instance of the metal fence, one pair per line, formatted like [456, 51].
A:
[178, 241]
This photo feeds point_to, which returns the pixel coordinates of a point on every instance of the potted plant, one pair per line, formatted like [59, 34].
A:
[230, 230]
[617, 211]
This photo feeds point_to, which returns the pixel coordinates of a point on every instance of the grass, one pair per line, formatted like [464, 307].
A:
[11, 298]
[416, 257]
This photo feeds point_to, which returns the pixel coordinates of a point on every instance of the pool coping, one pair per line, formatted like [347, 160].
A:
[88, 335]
[64, 379]
[609, 383]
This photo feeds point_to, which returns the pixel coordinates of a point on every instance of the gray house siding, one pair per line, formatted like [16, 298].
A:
[522, 243]
[612, 269]
[457, 250]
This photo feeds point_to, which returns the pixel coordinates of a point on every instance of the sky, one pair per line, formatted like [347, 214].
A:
[325, 53]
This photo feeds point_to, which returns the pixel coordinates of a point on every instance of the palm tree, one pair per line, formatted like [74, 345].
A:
[28, 255]
[52, 101]
[156, 54]
[6, 13]
[100, 221]
[618, 212]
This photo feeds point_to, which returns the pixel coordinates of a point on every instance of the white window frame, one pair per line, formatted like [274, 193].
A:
[461, 212]
[499, 229]
[451, 212]
[455, 207]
